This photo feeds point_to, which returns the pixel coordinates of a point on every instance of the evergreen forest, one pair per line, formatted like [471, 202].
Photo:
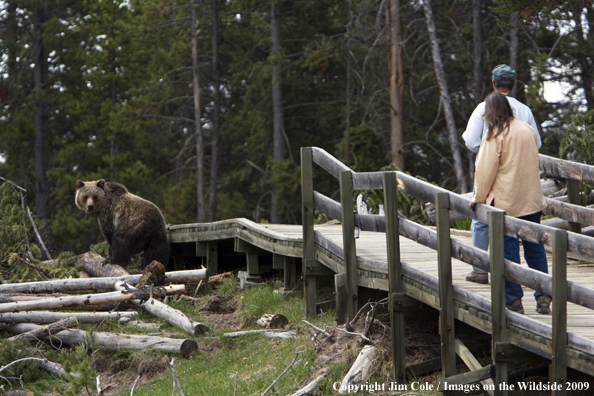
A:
[202, 106]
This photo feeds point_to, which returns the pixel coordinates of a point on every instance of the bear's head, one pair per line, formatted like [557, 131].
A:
[90, 196]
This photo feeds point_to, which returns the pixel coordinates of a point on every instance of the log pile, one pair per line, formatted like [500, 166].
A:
[36, 310]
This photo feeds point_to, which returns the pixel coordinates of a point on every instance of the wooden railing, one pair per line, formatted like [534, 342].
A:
[560, 242]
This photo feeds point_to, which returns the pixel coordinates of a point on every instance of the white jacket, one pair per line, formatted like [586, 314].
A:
[477, 127]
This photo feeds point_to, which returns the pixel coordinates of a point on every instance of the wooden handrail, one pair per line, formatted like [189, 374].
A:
[563, 169]
[579, 247]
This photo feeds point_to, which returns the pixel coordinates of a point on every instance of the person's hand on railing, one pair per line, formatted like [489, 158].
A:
[471, 204]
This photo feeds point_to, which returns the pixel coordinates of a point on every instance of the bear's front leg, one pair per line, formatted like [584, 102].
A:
[119, 253]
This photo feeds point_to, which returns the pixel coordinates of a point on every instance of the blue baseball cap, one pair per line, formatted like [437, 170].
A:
[504, 73]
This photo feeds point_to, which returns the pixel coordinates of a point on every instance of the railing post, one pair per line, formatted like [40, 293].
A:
[307, 210]
[559, 364]
[446, 292]
[396, 284]
[499, 322]
[348, 239]
[573, 197]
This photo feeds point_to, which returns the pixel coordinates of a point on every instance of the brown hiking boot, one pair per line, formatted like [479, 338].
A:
[543, 305]
[516, 306]
[478, 277]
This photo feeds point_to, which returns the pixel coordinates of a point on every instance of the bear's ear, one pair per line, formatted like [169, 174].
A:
[79, 184]
[101, 183]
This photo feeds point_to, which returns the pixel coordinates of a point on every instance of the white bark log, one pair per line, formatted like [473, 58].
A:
[44, 332]
[361, 369]
[92, 264]
[172, 315]
[95, 284]
[309, 388]
[267, 333]
[45, 317]
[71, 302]
[113, 342]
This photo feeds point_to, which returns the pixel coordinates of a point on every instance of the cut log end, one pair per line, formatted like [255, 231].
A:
[200, 329]
[187, 347]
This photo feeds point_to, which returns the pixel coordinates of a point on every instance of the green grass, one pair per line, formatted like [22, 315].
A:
[256, 359]
[463, 224]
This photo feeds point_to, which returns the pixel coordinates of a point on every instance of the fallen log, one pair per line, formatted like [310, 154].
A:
[44, 332]
[270, 321]
[50, 367]
[92, 264]
[163, 311]
[113, 342]
[268, 333]
[71, 302]
[309, 388]
[97, 284]
[45, 317]
[360, 370]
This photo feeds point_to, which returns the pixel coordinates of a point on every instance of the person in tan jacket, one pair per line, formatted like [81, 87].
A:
[507, 177]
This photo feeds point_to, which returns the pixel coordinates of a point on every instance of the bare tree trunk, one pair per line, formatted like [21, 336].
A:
[396, 84]
[445, 97]
[478, 52]
[214, 165]
[277, 104]
[347, 129]
[41, 112]
[513, 46]
[584, 23]
[478, 70]
[197, 123]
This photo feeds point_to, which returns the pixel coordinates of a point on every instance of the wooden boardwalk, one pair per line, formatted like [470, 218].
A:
[286, 240]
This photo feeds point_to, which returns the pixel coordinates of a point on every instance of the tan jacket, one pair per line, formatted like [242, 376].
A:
[507, 171]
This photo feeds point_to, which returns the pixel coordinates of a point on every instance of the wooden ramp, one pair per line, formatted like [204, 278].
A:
[469, 298]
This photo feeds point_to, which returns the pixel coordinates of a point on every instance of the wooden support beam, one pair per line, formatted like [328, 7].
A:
[396, 283]
[499, 321]
[253, 266]
[573, 196]
[473, 364]
[212, 258]
[559, 365]
[446, 294]
[342, 296]
[469, 377]
[201, 249]
[348, 238]
[288, 266]
[241, 246]
[307, 211]
[506, 352]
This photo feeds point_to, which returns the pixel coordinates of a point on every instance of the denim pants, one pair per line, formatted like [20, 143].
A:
[480, 239]
[534, 254]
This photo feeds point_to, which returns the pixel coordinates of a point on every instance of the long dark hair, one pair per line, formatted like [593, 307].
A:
[498, 114]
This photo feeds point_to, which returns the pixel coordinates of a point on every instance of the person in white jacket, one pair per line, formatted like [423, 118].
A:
[503, 80]
[507, 177]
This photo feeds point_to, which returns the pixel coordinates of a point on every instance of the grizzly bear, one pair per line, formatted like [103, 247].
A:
[130, 224]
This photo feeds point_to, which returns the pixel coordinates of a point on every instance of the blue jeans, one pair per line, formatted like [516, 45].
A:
[480, 239]
[534, 254]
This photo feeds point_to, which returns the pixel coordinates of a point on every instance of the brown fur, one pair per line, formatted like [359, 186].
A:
[129, 223]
